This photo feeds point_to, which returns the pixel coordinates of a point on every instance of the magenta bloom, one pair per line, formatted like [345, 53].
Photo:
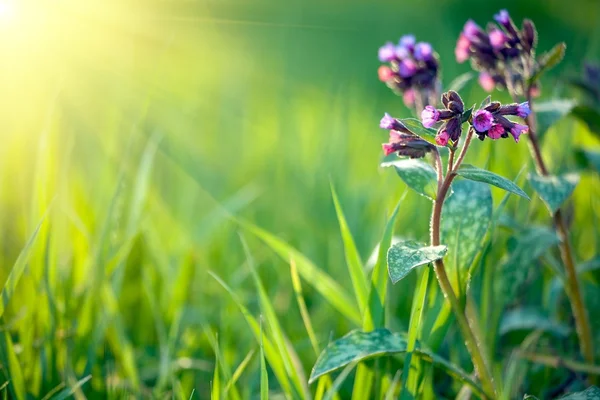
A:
[517, 130]
[409, 97]
[402, 52]
[387, 52]
[487, 82]
[482, 120]
[497, 39]
[462, 48]
[408, 41]
[503, 18]
[423, 51]
[407, 68]
[388, 122]
[471, 30]
[430, 116]
[442, 138]
[388, 148]
[523, 110]
[496, 131]
[385, 73]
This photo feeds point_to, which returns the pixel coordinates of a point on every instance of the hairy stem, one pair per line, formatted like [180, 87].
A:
[444, 282]
[573, 289]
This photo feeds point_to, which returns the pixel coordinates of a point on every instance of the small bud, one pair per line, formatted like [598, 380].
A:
[385, 73]
[517, 130]
[523, 110]
[482, 120]
[495, 132]
[497, 39]
[453, 96]
[409, 98]
[529, 35]
[487, 82]
[408, 41]
[442, 138]
[503, 18]
[471, 30]
[387, 52]
[462, 48]
[388, 122]
[455, 107]
[388, 148]
[493, 106]
[407, 68]
[423, 51]
[445, 99]
[453, 127]
[402, 52]
[430, 116]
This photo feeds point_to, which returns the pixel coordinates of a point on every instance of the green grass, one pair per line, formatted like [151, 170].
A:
[141, 141]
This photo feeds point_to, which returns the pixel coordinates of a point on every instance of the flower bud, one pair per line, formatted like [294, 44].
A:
[385, 73]
[493, 106]
[495, 132]
[453, 127]
[487, 82]
[387, 52]
[529, 35]
[430, 116]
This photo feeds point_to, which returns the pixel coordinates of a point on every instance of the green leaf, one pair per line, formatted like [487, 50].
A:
[353, 261]
[591, 299]
[418, 175]
[465, 219]
[416, 127]
[531, 319]
[550, 112]
[403, 257]
[588, 158]
[591, 393]
[481, 175]
[486, 102]
[460, 81]
[554, 190]
[549, 60]
[358, 346]
[589, 265]
[589, 116]
[467, 114]
[264, 377]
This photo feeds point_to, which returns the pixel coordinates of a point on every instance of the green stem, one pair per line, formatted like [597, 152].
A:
[444, 282]
[573, 289]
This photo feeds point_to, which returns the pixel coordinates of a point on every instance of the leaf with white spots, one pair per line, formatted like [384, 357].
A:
[481, 175]
[554, 190]
[403, 257]
[465, 219]
[591, 393]
[417, 174]
[550, 112]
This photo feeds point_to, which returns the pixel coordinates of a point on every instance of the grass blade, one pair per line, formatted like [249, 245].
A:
[264, 378]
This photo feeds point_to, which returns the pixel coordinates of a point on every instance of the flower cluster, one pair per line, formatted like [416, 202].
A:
[451, 116]
[402, 141]
[502, 54]
[491, 120]
[411, 69]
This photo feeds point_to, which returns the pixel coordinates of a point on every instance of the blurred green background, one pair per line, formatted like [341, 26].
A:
[138, 128]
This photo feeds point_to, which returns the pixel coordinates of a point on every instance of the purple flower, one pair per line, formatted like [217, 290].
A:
[503, 18]
[387, 52]
[496, 131]
[523, 110]
[497, 39]
[442, 138]
[471, 30]
[517, 130]
[385, 73]
[462, 48]
[429, 116]
[402, 52]
[388, 122]
[487, 82]
[482, 120]
[407, 68]
[408, 41]
[423, 51]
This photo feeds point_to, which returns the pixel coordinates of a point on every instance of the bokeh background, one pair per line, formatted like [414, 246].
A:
[136, 130]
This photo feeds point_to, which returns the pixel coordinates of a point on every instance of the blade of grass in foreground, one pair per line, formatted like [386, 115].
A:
[264, 378]
[323, 283]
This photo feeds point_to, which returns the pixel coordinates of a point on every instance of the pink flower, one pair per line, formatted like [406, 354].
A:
[462, 48]
[517, 130]
[409, 97]
[423, 51]
[497, 39]
[388, 148]
[408, 41]
[482, 120]
[407, 68]
[496, 131]
[471, 30]
[388, 122]
[503, 18]
[429, 116]
[385, 73]
[487, 82]
[442, 138]
[387, 52]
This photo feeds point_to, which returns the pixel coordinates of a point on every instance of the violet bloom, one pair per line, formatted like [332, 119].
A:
[385, 73]
[387, 52]
[496, 131]
[486, 81]
[462, 48]
[498, 39]
[430, 116]
[442, 138]
[482, 120]
[389, 122]
[423, 51]
[471, 30]
[523, 110]
[517, 130]
[402, 52]
[409, 97]
[408, 41]
[503, 18]
[407, 68]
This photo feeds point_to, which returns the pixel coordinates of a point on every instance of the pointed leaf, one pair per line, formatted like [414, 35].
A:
[589, 116]
[416, 127]
[550, 112]
[531, 319]
[549, 60]
[481, 175]
[591, 393]
[465, 219]
[554, 190]
[588, 158]
[403, 257]
[486, 102]
[460, 81]
[418, 175]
